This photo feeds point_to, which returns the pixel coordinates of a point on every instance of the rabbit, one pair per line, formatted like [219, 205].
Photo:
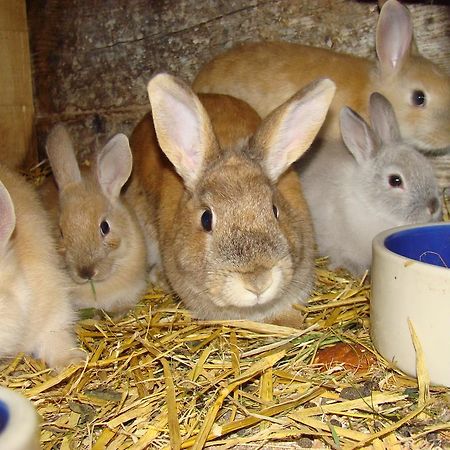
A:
[37, 316]
[233, 228]
[100, 237]
[374, 182]
[265, 74]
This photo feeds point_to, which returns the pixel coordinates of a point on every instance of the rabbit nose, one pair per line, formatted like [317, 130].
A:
[257, 282]
[433, 205]
[86, 272]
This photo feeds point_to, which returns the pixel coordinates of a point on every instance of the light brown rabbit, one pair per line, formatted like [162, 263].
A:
[37, 316]
[233, 228]
[265, 74]
[100, 237]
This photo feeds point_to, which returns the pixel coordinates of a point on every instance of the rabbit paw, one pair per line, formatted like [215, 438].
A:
[73, 357]
[59, 349]
[290, 317]
[158, 278]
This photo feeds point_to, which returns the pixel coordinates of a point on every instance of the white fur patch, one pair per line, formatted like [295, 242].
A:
[236, 294]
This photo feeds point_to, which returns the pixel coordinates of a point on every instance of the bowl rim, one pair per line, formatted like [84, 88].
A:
[378, 242]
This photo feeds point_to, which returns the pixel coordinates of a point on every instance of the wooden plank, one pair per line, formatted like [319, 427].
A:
[15, 77]
[16, 130]
[13, 15]
[432, 30]
[16, 93]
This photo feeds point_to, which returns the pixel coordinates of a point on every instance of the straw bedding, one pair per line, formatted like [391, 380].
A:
[158, 379]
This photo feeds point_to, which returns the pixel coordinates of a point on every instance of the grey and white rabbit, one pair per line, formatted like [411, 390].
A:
[374, 182]
[100, 238]
[37, 316]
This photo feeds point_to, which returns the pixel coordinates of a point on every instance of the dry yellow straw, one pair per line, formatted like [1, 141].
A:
[252, 371]
[387, 430]
[174, 426]
[423, 376]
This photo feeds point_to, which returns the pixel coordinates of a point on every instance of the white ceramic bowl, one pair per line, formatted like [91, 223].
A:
[19, 427]
[410, 279]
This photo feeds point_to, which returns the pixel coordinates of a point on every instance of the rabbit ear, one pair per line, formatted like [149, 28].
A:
[394, 36]
[114, 164]
[182, 126]
[357, 136]
[7, 216]
[382, 117]
[61, 155]
[289, 130]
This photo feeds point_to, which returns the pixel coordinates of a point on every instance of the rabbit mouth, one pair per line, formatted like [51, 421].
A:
[87, 274]
[243, 290]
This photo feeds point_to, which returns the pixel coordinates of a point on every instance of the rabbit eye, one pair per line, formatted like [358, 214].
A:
[207, 219]
[395, 181]
[276, 213]
[418, 98]
[104, 228]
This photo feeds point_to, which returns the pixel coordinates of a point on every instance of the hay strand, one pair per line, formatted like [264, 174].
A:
[423, 376]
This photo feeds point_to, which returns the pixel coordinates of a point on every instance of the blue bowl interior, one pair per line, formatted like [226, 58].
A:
[4, 416]
[430, 245]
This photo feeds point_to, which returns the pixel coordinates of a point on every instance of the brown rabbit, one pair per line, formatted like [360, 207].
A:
[233, 228]
[37, 316]
[99, 234]
[265, 74]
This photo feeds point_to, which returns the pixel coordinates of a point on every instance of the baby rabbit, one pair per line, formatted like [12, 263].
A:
[377, 182]
[37, 317]
[267, 73]
[233, 227]
[100, 238]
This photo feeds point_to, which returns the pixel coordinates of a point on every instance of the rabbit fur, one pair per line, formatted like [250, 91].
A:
[99, 235]
[37, 316]
[374, 182]
[232, 225]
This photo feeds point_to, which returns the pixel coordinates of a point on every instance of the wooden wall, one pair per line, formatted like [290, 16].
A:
[93, 58]
[16, 95]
